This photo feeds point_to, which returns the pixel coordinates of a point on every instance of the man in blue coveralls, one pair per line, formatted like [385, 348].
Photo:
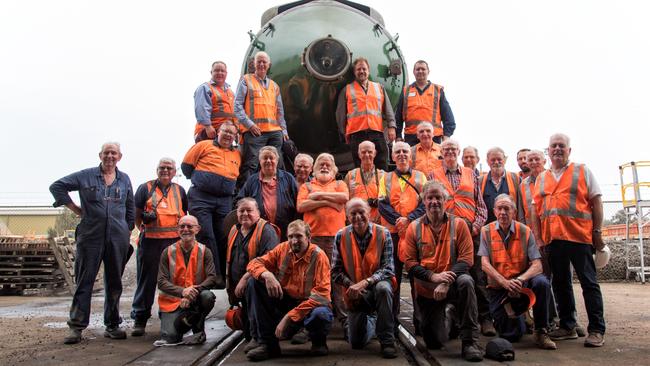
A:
[107, 218]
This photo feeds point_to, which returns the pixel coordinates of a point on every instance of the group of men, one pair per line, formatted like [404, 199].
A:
[453, 230]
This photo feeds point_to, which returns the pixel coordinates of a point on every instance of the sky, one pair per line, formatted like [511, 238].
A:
[74, 74]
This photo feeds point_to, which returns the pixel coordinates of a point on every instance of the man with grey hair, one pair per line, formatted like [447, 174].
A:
[159, 204]
[567, 219]
[302, 166]
[470, 158]
[259, 109]
[498, 181]
[511, 260]
[107, 218]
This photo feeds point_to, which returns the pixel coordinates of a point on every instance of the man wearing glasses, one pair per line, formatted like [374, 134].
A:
[159, 204]
[107, 218]
[185, 278]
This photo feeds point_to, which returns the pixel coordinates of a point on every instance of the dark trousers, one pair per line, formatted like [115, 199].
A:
[252, 146]
[399, 266]
[412, 139]
[200, 309]
[563, 254]
[148, 261]
[546, 268]
[90, 255]
[480, 283]
[377, 138]
[362, 324]
[266, 313]
[210, 211]
[433, 323]
[514, 329]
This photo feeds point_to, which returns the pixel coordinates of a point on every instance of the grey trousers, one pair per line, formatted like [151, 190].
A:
[202, 305]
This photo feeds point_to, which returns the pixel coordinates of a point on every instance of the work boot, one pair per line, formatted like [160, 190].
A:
[542, 340]
[561, 334]
[530, 322]
[301, 337]
[319, 349]
[263, 352]
[73, 337]
[472, 351]
[595, 339]
[388, 350]
[114, 333]
[580, 330]
[487, 328]
[251, 344]
[138, 329]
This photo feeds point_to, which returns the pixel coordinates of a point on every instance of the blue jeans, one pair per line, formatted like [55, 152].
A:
[266, 313]
[252, 146]
[563, 254]
[514, 329]
[362, 325]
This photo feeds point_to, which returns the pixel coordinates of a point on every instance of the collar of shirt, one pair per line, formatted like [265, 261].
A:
[559, 172]
[118, 174]
[421, 91]
[426, 220]
[498, 183]
[506, 239]
[451, 170]
[366, 236]
[272, 182]
[250, 231]
[305, 257]
[225, 86]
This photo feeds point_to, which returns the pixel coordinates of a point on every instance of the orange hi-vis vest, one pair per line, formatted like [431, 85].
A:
[422, 108]
[462, 202]
[223, 102]
[253, 242]
[260, 104]
[425, 161]
[512, 179]
[364, 109]
[526, 197]
[182, 275]
[168, 211]
[402, 201]
[512, 261]
[563, 207]
[435, 256]
[365, 190]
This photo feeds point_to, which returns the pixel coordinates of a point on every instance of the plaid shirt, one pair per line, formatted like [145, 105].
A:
[453, 175]
[385, 270]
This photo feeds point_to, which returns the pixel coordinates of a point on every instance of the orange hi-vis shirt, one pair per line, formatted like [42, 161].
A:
[205, 156]
[437, 254]
[169, 209]
[426, 160]
[364, 108]
[365, 190]
[323, 221]
[223, 102]
[305, 278]
[422, 108]
[563, 206]
[512, 261]
[260, 104]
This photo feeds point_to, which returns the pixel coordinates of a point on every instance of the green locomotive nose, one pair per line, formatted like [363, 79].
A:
[312, 45]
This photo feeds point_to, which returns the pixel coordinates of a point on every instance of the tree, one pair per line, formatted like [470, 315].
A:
[68, 220]
[619, 218]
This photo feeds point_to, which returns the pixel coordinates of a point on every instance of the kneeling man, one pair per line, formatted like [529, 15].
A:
[185, 277]
[363, 264]
[290, 289]
[512, 262]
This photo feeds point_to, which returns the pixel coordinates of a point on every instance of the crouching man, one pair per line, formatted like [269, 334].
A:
[185, 277]
[512, 262]
[363, 264]
[290, 289]
[438, 253]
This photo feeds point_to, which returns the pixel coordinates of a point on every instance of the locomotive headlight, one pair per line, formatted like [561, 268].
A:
[327, 58]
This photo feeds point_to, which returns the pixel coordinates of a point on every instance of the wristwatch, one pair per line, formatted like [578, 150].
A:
[369, 281]
[597, 231]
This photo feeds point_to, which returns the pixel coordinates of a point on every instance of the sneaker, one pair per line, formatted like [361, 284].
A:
[319, 349]
[73, 337]
[487, 328]
[138, 329]
[114, 333]
[251, 344]
[580, 330]
[388, 350]
[561, 334]
[263, 352]
[301, 337]
[542, 340]
[595, 339]
[164, 343]
[472, 352]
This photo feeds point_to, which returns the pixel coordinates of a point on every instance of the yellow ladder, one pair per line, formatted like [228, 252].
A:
[633, 205]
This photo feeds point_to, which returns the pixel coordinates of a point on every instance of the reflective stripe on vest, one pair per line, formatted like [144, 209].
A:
[356, 266]
[222, 108]
[309, 275]
[253, 243]
[261, 108]
[166, 224]
[462, 202]
[426, 288]
[396, 198]
[511, 180]
[510, 262]
[364, 109]
[527, 186]
[181, 274]
[424, 108]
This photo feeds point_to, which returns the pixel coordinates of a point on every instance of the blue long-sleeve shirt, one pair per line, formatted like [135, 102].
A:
[203, 102]
[447, 116]
[108, 212]
[240, 99]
